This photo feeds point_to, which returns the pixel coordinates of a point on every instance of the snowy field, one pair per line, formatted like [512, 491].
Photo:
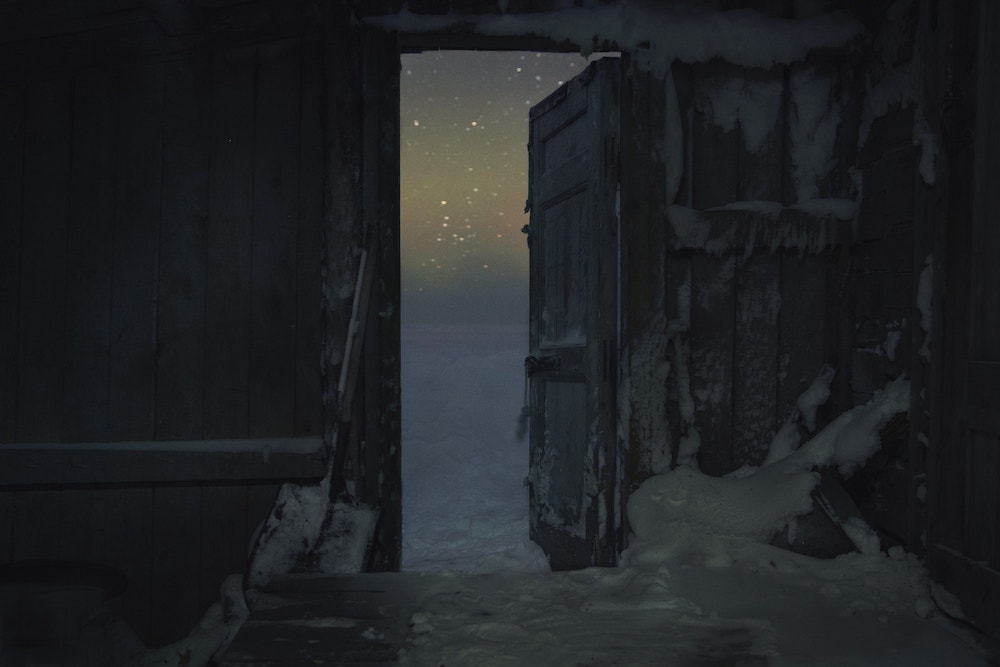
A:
[699, 586]
[465, 506]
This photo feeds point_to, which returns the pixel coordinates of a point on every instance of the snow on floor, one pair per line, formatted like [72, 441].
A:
[705, 600]
[465, 506]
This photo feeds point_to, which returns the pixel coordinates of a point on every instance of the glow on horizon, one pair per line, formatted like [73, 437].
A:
[464, 180]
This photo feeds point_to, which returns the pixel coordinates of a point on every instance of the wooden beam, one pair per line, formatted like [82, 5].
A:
[50, 464]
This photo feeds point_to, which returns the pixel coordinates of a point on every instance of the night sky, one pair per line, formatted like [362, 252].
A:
[464, 180]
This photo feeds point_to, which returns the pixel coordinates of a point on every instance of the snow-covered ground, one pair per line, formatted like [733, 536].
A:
[465, 506]
[699, 584]
[693, 589]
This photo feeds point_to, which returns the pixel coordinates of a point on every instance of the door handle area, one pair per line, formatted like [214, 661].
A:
[547, 364]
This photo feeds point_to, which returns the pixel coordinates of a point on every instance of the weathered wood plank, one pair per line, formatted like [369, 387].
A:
[984, 303]
[274, 247]
[180, 357]
[368, 460]
[88, 285]
[223, 538]
[130, 549]
[715, 150]
[681, 420]
[259, 501]
[11, 170]
[950, 198]
[136, 244]
[380, 180]
[36, 524]
[761, 150]
[746, 228]
[982, 530]
[755, 364]
[848, 87]
[45, 216]
[342, 108]
[714, 182]
[134, 32]
[227, 312]
[174, 599]
[6, 526]
[643, 202]
[802, 327]
[84, 530]
[309, 286]
[162, 461]
[713, 298]
[279, 632]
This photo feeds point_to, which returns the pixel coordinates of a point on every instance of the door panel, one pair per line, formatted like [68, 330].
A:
[573, 319]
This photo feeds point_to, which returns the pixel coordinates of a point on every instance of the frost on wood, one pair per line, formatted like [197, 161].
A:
[813, 131]
[809, 227]
[901, 85]
[662, 33]
[648, 374]
[753, 102]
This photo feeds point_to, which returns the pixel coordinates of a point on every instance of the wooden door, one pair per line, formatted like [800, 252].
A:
[573, 237]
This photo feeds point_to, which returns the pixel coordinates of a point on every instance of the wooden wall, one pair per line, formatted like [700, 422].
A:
[750, 309]
[885, 335]
[885, 338]
[161, 237]
[164, 237]
[958, 223]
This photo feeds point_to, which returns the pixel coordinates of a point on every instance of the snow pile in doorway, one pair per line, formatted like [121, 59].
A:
[465, 506]
[687, 519]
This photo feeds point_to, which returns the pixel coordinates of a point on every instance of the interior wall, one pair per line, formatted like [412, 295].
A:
[164, 236]
[162, 232]
[748, 314]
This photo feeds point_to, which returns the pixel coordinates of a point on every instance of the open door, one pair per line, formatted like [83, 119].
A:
[573, 324]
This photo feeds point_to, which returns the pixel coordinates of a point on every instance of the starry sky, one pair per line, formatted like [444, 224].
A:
[464, 180]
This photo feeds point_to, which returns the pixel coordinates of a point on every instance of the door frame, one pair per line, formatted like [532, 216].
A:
[955, 208]
[640, 204]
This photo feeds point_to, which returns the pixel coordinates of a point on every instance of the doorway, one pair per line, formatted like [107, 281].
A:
[464, 268]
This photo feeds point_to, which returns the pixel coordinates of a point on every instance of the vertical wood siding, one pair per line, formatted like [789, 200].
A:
[760, 324]
[11, 179]
[181, 334]
[161, 230]
[92, 211]
[41, 313]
